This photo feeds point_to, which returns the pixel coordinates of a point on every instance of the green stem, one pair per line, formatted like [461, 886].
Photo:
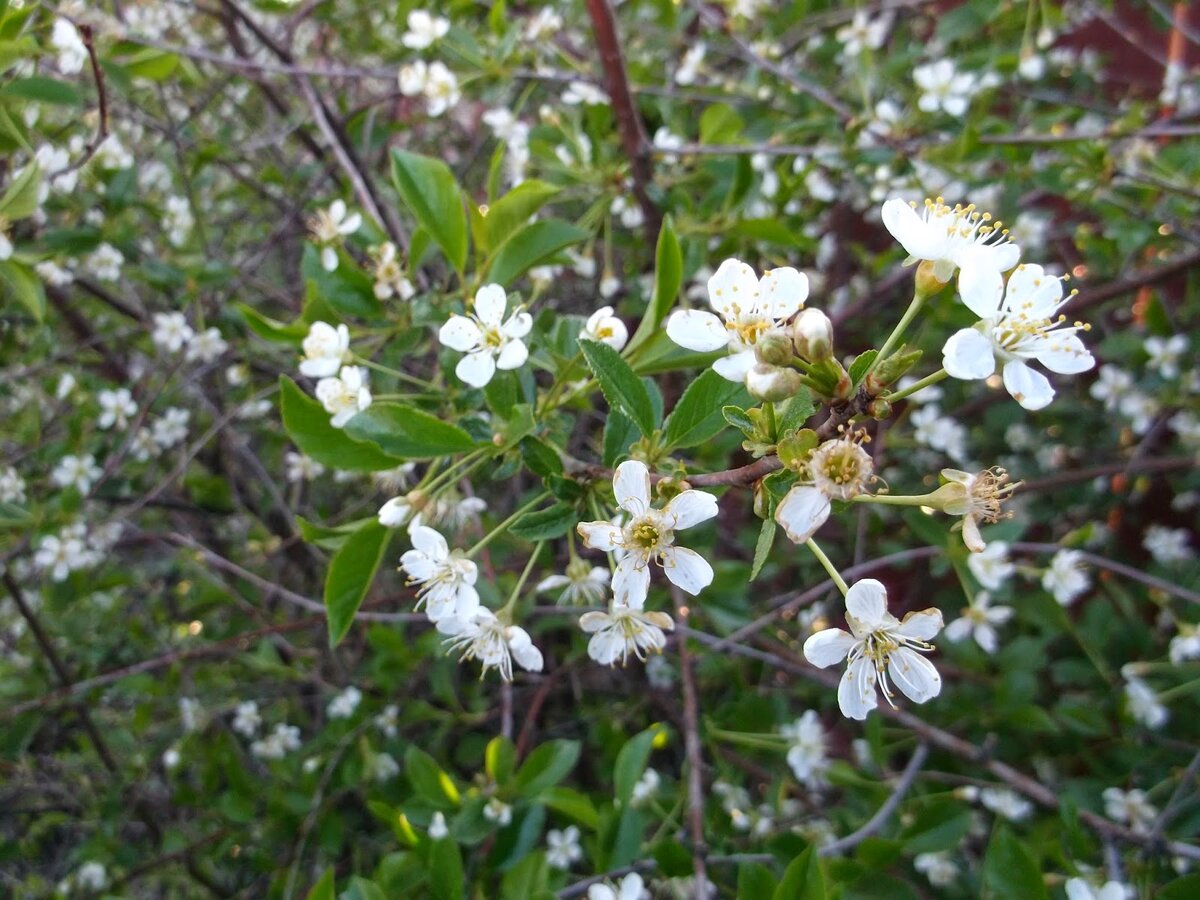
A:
[456, 470]
[388, 370]
[829, 567]
[914, 307]
[504, 612]
[925, 382]
[895, 499]
[495, 532]
[1179, 690]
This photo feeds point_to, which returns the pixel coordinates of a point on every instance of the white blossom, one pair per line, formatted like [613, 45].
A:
[447, 577]
[283, 740]
[326, 348]
[484, 637]
[979, 620]
[91, 876]
[581, 92]
[343, 705]
[878, 647]
[646, 786]
[206, 346]
[490, 341]
[1141, 700]
[837, 470]
[631, 887]
[61, 555]
[80, 472]
[1066, 578]
[864, 33]
[105, 262]
[958, 237]
[498, 811]
[939, 868]
[603, 326]
[582, 585]
[424, 30]
[1078, 889]
[116, 408]
[1165, 354]
[977, 497]
[562, 848]
[246, 719]
[440, 90]
[437, 826]
[1185, 645]
[625, 629]
[301, 467]
[689, 65]
[345, 395]
[1168, 546]
[1006, 803]
[1130, 808]
[1111, 386]
[171, 428]
[12, 486]
[807, 748]
[72, 52]
[329, 226]
[944, 87]
[171, 331]
[390, 280]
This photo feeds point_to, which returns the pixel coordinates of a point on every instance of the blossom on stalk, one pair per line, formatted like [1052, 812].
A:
[1131, 808]
[606, 328]
[329, 226]
[390, 280]
[424, 30]
[1141, 700]
[1078, 889]
[977, 497]
[1168, 546]
[116, 408]
[649, 535]
[807, 748]
[944, 87]
[952, 238]
[991, 565]
[979, 620]
[81, 472]
[345, 395]
[838, 470]
[490, 341]
[562, 848]
[625, 629]
[879, 646]
[483, 637]
[582, 585]
[447, 577]
[746, 308]
[325, 349]
[631, 887]
[1015, 330]
[1066, 578]
[938, 867]
[171, 331]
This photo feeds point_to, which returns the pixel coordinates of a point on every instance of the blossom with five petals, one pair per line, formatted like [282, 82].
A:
[344, 395]
[329, 226]
[447, 577]
[950, 237]
[624, 630]
[483, 637]
[325, 349]
[606, 328]
[747, 308]
[490, 341]
[650, 535]
[880, 647]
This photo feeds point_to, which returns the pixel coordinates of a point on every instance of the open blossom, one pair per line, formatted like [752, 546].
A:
[1066, 578]
[72, 52]
[490, 341]
[631, 887]
[1078, 889]
[1014, 331]
[300, 467]
[624, 630]
[1141, 700]
[446, 576]
[562, 847]
[582, 584]
[440, 89]
[649, 535]
[991, 565]
[939, 868]
[390, 280]
[606, 328]
[80, 472]
[977, 497]
[1167, 545]
[62, 554]
[328, 227]
[1131, 808]
[879, 646]
[807, 748]
[278, 744]
[837, 470]
[325, 349]
[12, 486]
[206, 346]
[171, 331]
[344, 704]
[951, 237]
[747, 308]
[483, 637]
[944, 87]
[864, 33]
[1165, 354]
[246, 719]
[424, 30]
[116, 408]
[498, 811]
[345, 395]
[1005, 802]
[979, 620]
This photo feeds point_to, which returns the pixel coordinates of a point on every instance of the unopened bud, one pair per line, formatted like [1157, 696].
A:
[927, 281]
[760, 500]
[667, 488]
[774, 348]
[772, 382]
[891, 370]
[879, 409]
[812, 335]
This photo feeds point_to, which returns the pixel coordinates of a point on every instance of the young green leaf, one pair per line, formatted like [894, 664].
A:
[668, 278]
[547, 766]
[697, 416]
[631, 763]
[18, 280]
[323, 889]
[428, 779]
[508, 214]
[1009, 870]
[405, 431]
[271, 329]
[431, 193]
[347, 289]
[622, 389]
[446, 880]
[307, 424]
[762, 550]
[531, 245]
[20, 200]
[802, 880]
[350, 574]
[545, 524]
[861, 363]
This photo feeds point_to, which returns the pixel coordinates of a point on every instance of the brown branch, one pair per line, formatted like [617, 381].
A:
[1179, 265]
[85, 35]
[877, 821]
[629, 123]
[695, 760]
[1161, 464]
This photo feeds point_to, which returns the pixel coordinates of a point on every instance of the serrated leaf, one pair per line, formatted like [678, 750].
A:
[350, 574]
[762, 550]
[619, 433]
[698, 415]
[540, 457]
[530, 246]
[407, 432]
[668, 278]
[431, 193]
[1009, 870]
[736, 416]
[861, 363]
[622, 389]
[307, 424]
[799, 409]
[546, 766]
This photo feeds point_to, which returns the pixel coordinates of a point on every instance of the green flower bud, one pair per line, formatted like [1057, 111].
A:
[891, 370]
[774, 348]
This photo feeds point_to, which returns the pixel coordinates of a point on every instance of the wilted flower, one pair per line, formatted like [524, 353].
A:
[977, 497]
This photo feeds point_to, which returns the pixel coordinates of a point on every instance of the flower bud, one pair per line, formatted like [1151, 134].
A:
[927, 282]
[772, 382]
[774, 348]
[879, 409]
[812, 335]
[891, 370]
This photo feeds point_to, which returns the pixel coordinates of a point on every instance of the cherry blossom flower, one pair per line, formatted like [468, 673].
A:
[72, 52]
[1168, 546]
[343, 705]
[447, 576]
[807, 748]
[1130, 807]
[80, 472]
[991, 565]
[498, 811]
[979, 620]
[390, 280]
[424, 30]
[938, 867]
[838, 470]
[944, 87]
[649, 535]
[206, 346]
[438, 828]
[747, 307]
[300, 467]
[1014, 331]
[1141, 700]
[171, 331]
[1078, 889]
[562, 848]
[631, 887]
[977, 497]
[345, 395]
[329, 226]
[1165, 354]
[325, 349]
[880, 646]
[116, 408]
[582, 584]
[1007, 803]
[1066, 578]
[624, 630]
[490, 341]
[484, 637]
[440, 89]
[606, 328]
[952, 238]
[246, 719]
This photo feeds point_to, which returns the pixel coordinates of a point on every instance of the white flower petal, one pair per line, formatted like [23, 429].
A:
[631, 485]
[429, 542]
[592, 622]
[1029, 388]
[695, 329]
[631, 582]
[782, 292]
[512, 355]
[866, 601]
[689, 508]
[1032, 291]
[914, 675]
[856, 691]
[490, 303]
[599, 535]
[968, 355]
[518, 325]
[460, 333]
[828, 647]
[907, 226]
[981, 289]
[1065, 354]
[921, 626]
[735, 367]
[687, 569]
[733, 286]
[802, 512]
[477, 368]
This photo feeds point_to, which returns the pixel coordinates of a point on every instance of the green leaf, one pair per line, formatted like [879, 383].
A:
[407, 432]
[151, 64]
[631, 763]
[697, 416]
[347, 289]
[861, 363]
[800, 408]
[508, 214]
[572, 804]
[517, 841]
[736, 416]
[307, 424]
[20, 200]
[755, 880]
[619, 433]
[43, 90]
[530, 246]
[446, 881]
[323, 889]
[361, 889]
[720, 124]
[428, 779]
[1009, 870]
[431, 193]
[762, 550]
[547, 766]
[622, 389]
[1185, 888]
[668, 278]
[802, 880]
[544, 524]
[541, 458]
[271, 329]
[350, 573]
[19, 281]
[499, 759]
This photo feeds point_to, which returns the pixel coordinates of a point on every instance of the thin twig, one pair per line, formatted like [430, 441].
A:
[877, 821]
[691, 741]
[1111, 565]
[85, 35]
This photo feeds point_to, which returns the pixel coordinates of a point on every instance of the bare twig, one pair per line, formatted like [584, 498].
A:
[85, 35]
[691, 740]
[877, 821]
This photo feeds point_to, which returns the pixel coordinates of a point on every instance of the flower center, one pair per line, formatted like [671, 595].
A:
[989, 490]
[645, 534]
[492, 338]
[841, 469]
